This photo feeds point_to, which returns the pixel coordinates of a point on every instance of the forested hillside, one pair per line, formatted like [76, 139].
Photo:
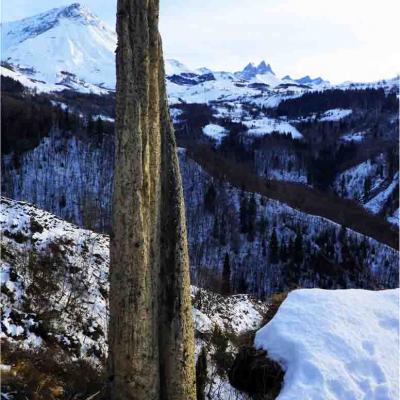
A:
[275, 234]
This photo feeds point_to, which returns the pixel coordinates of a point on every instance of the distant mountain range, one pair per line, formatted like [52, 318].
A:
[69, 47]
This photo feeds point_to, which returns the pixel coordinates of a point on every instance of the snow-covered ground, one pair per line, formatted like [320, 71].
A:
[335, 114]
[215, 132]
[368, 182]
[264, 126]
[376, 204]
[394, 218]
[336, 344]
[74, 263]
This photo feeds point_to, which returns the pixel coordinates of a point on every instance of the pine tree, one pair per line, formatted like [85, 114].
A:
[283, 252]
[251, 218]
[99, 126]
[273, 248]
[244, 215]
[90, 124]
[209, 198]
[367, 187]
[67, 120]
[298, 248]
[201, 374]
[216, 228]
[226, 276]
[242, 286]
[342, 234]
[222, 231]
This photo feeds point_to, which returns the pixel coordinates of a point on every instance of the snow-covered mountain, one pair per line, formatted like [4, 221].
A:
[69, 47]
[65, 47]
[306, 80]
[250, 71]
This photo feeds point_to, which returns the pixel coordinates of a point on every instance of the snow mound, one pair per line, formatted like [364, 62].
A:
[336, 344]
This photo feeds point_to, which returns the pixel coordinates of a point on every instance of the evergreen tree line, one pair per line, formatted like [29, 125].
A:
[27, 117]
[318, 102]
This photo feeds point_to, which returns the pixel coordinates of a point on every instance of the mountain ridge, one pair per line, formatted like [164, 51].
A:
[81, 44]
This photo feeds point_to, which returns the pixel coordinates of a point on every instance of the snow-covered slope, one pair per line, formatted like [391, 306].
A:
[175, 67]
[54, 279]
[50, 267]
[372, 184]
[340, 344]
[66, 46]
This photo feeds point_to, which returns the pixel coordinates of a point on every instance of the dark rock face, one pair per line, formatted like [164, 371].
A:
[254, 373]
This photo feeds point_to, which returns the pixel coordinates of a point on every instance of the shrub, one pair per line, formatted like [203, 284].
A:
[254, 373]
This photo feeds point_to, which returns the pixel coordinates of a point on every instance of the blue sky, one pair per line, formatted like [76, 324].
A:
[339, 40]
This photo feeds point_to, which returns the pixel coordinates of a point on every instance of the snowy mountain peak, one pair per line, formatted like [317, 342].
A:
[67, 39]
[307, 80]
[175, 67]
[18, 31]
[263, 68]
[250, 71]
[79, 12]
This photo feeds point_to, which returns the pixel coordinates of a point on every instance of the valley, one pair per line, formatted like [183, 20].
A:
[289, 184]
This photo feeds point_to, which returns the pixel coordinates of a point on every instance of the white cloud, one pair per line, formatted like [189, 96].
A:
[340, 40]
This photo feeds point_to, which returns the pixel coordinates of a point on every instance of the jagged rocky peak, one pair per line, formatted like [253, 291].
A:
[251, 70]
[264, 68]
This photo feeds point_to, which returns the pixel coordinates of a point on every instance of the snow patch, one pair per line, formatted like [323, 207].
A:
[376, 204]
[265, 126]
[215, 132]
[335, 114]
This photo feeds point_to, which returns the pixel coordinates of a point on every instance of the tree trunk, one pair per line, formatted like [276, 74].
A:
[151, 341]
